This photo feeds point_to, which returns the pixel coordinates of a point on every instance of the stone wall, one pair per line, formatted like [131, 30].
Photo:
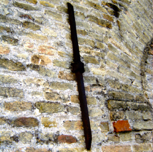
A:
[39, 106]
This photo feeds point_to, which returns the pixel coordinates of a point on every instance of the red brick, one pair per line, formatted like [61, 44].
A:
[126, 148]
[66, 139]
[121, 126]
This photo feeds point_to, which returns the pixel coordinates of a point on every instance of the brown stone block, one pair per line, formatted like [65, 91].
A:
[66, 139]
[121, 126]
[25, 122]
[40, 60]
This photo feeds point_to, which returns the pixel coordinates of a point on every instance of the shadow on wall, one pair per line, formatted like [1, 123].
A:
[147, 71]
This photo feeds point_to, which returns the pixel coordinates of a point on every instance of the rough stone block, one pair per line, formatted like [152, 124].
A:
[48, 107]
[30, 25]
[73, 125]
[143, 125]
[11, 65]
[25, 6]
[48, 123]
[10, 40]
[56, 16]
[89, 59]
[66, 139]
[18, 106]
[142, 147]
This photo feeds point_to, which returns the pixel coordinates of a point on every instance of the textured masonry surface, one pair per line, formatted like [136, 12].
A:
[39, 105]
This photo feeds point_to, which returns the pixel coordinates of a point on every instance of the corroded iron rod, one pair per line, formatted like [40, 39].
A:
[78, 69]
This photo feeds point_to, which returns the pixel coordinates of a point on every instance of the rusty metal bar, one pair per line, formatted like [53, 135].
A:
[78, 69]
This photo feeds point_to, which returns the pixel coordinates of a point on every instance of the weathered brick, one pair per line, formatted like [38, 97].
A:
[142, 125]
[11, 92]
[60, 86]
[115, 148]
[42, 71]
[35, 81]
[11, 65]
[8, 79]
[82, 32]
[56, 16]
[113, 138]
[48, 123]
[25, 122]
[90, 79]
[90, 100]
[133, 115]
[126, 105]
[142, 147]
[45, 49]
[66, 139]
[73, 125]
[100, 45]
[63, 64]
[91, 51]
[115, 58]
[25, 6]
[48, 107]
[120, 95]
[98, 71]
[116, 115]
[25, 137]
[121, 126]
[36, 36]
[95, 6]
[49, 32]
[47, 4]
[74, 110]
[95, 112]
[143, 138]
[18, 106]
[10, 40]
[125, 136]
[90, 59]
[30, 25]
[89, 42]
[40, 60]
